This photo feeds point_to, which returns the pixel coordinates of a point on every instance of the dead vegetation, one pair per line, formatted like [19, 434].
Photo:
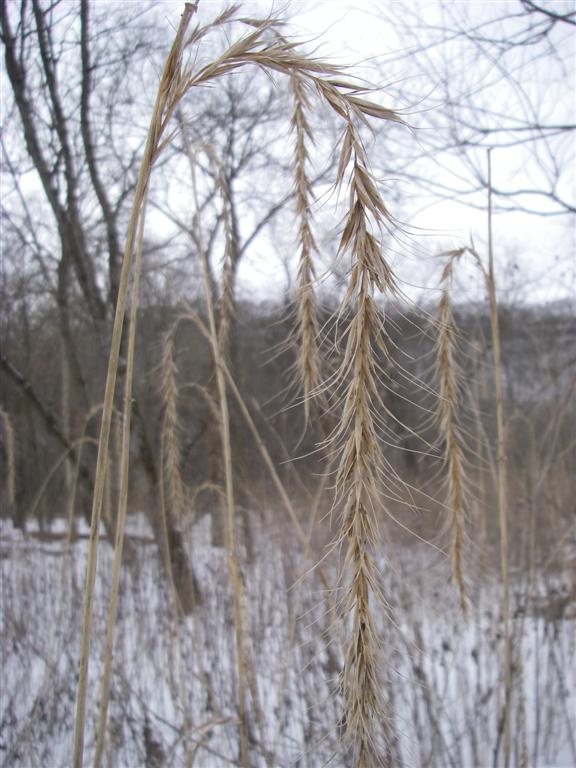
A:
[353, 620]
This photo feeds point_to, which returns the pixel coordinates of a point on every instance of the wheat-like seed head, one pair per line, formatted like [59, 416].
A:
[360, 465]
[448, 423]
[169, 438]
[307, 363]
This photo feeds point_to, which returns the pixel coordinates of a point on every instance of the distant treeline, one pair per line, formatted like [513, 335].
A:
[52, 409]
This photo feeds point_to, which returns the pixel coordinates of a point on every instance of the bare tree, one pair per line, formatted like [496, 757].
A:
[74, 91]
[71, 141]
[495, 78]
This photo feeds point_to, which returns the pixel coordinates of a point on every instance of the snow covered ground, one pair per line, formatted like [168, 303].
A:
[173, 697]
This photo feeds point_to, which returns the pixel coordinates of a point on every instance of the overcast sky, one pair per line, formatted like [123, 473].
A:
[536, 253]
[428, 68]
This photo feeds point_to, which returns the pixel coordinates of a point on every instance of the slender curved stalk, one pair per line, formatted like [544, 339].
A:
[168, 81]
[217, 343]
[502, 478]
[303, 537]
[231, 521]
[122, 498]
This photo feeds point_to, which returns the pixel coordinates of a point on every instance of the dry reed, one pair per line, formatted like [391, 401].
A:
[122, 496]
[226, 302]
[501, 470]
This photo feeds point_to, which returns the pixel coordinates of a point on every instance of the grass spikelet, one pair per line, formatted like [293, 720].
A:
[360, 466]
[170, 443]
[307, 366]
[447, 418]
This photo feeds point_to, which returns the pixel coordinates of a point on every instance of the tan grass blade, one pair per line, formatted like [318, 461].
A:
[502, 475]
[226, 303]
[303, 537]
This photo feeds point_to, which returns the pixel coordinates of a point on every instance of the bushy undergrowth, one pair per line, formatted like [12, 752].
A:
[173, 698]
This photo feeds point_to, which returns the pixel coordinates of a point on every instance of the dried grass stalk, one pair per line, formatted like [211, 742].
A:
[502, 479]
[224, 422]
[122, 498]
[234, 560]
[501, 472]
[163, 108]
[65, 407]
[226, 303]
